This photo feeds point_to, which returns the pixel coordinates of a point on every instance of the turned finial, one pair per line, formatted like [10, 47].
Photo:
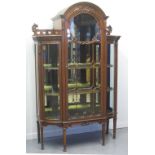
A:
[108, 29]
[34, 27]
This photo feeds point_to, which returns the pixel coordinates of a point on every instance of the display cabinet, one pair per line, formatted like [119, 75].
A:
[76, 71]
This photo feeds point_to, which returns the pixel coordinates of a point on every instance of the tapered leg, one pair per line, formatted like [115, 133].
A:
[42, 137]
[64, 139]
[103, 133]
[114, 127]
[107, 128]
[38, 131]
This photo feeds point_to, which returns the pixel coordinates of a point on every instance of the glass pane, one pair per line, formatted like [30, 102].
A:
[112, 54]
[110, 77]
[80, 78]
[97, 77]
[51, 81]
[78, 53]
[52, 107]
[97, 53]
[83, 27]
[82, 104]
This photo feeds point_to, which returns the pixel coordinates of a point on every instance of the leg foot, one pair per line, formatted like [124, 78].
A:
[64, 140]
[38, 131]
[107, 128]
[114, 128]
[42, 137]
[103, 134]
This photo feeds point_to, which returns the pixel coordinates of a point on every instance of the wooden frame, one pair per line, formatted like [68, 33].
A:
[58, 35]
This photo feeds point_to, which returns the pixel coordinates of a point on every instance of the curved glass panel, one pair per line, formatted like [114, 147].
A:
[51, 81]
[110, 78]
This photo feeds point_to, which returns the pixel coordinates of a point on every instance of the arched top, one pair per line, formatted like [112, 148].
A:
[87, 8]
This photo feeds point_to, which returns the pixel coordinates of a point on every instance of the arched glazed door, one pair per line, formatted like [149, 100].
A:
[83, 67]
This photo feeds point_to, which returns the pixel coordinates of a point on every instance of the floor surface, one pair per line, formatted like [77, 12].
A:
[85, 143]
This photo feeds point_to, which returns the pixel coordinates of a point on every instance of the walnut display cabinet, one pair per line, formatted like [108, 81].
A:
[76, 71]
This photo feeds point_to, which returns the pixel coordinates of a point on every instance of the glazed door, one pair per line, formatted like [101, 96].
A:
[50, 71]
[83, 68]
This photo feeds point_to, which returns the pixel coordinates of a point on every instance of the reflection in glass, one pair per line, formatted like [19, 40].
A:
[83, 53]
[83, 104]
[79, 78]
[52, 107]
[51, 81]
[97, 77]
[50, 55]
[83, 27]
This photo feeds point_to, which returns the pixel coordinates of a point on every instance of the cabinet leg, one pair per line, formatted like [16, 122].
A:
[107, 128]
[38, 131]
[103, 134]
[64, 140]
[42, 137]
[114, 127]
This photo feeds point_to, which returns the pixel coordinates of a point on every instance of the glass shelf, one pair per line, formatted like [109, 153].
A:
[84, 90]
[78, 106]
[79, 65]
[110, 89]
[109, 66]
[72, 87]
[84, 42]
[82, 65]
[78, 85]
[52, 94]
[50, 67]
[51, 90]
[75, 65]
[49, 109]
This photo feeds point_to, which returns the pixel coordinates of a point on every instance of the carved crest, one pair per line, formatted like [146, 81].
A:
[85, 8]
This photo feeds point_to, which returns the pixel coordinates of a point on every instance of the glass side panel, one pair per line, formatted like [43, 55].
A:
[83, 67]
[110, 77]
[51, 81]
